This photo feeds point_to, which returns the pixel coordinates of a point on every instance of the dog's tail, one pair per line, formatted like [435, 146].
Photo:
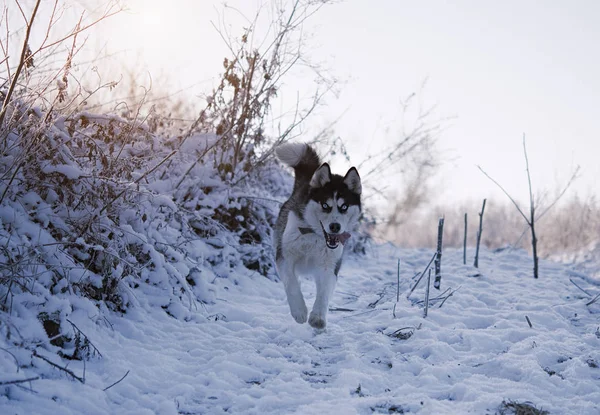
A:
[302, 157]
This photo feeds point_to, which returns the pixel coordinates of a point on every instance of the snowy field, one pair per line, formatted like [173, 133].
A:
[244, 353]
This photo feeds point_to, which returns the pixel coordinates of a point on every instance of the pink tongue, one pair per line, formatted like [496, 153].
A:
[343, 237]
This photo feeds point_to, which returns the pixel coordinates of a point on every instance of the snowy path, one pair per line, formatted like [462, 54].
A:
[251, 357]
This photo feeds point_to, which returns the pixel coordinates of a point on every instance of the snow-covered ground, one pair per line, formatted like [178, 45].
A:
[244, 353]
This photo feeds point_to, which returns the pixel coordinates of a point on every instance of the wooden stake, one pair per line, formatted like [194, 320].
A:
[476, 263]
[427, 293]
[438, 260]
[398, 283]
[465, 242]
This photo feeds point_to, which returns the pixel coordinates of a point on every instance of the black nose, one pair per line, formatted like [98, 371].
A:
[334, 227]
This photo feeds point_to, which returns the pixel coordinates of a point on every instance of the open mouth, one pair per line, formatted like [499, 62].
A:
[332, 240]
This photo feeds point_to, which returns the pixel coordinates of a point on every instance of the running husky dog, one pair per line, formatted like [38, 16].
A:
[312, 227]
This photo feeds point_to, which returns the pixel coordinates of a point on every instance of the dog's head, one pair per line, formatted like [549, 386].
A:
[334, 204]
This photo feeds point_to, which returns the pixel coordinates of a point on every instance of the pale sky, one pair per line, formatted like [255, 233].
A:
[501, 68]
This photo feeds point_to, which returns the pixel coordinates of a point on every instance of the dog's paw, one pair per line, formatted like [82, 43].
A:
[299, 314]
[316, 321]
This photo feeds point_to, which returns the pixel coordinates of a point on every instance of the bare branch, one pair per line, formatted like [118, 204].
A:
[21, 10]
[422, 275]
[110, 386]
[593, 300]
[5, 48]
[51, 22]
[569, 183]
[22, 61]
[64, 369]
[506, 193]
[531, 201]
[108, 13]
[13, 382]
[573, 282]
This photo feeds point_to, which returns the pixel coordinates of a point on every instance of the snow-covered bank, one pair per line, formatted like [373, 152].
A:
[245, 354]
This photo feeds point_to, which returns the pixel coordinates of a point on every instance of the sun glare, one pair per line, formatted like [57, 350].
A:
[148, 30]
[150, 16]
[168, 39]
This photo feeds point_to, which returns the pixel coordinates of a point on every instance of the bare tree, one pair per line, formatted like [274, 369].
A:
[530, 219]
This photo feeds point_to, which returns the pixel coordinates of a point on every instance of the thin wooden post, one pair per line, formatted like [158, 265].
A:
[427, 294]
[476, 264]
[398, 283]
[465, 242]
[438, 260]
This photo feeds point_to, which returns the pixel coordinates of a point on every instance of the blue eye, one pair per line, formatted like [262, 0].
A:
[343, 208]
[325, 206]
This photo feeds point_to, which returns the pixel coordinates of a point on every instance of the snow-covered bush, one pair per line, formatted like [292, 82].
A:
[91, 213]
[96, 208]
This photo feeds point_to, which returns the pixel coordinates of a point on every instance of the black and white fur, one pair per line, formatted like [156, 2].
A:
[312, 227]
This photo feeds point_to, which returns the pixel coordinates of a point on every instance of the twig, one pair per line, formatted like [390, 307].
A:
[108, 13]
[13, 356]
[529, 322]
[86, 227]
[445, 298]
[506, 193]
[136, 181]
[427, 294]
[560, 195]
[374, 303]
[573, 282]
[110, 386]
[24, 60]
[448, 296]
[422, 275]
[12, 382]
[11, 179]
[402, 334]
[84, 335]
[593, 300]
[442, 296]
[64, 369]
[341, 309]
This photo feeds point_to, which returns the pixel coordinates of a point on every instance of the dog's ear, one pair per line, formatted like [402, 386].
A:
[321, 177]
[352, 180]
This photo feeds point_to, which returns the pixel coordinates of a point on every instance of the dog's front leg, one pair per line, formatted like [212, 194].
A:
[325, 286]
[292, 291]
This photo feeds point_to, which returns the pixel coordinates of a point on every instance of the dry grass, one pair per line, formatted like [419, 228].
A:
[519, 408]
[567, 232]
